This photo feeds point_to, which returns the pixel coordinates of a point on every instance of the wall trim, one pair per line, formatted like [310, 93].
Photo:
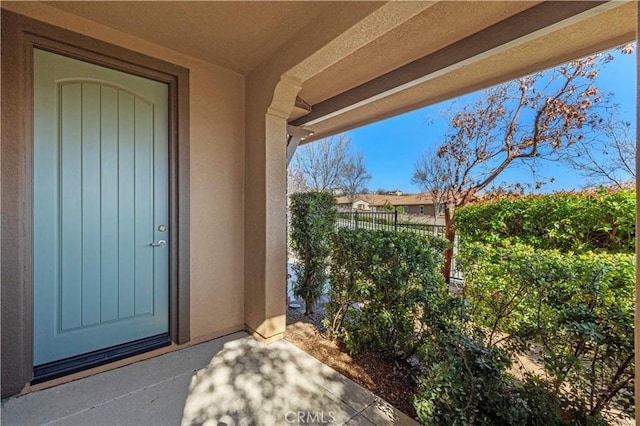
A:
[20, 35]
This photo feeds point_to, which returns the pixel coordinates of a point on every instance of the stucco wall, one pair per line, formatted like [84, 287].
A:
[272, 87]
[217, 172]
[415, 209]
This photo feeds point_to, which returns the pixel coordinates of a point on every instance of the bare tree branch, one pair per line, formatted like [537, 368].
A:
[537, 117]
[330, 164]
[432, 176]
[354, 176]
[608, 156]
[322, 163]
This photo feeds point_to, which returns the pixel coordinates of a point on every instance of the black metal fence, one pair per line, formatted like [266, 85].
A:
[386, 221]
[389, 221]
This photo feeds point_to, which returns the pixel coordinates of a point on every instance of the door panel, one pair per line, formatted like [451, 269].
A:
[100, 194]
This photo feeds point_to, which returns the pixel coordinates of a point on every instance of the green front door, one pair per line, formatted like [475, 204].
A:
[100, 208]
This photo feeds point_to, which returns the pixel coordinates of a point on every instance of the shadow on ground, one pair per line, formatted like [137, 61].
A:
[251, 383]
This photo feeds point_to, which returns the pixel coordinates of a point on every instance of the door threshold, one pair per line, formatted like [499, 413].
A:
[53, 370]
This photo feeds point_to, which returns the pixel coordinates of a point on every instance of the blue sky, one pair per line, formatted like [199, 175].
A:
[392, 146]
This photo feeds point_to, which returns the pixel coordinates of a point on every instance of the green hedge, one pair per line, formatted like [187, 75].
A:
[313, 220]
[570, 221]
[577, 308]
[383, 285]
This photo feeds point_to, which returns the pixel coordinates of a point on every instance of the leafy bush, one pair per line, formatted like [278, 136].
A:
[575, 222]
[313, 219]
[383, 285]
[543, 406]
[542, 275]
[577, 309]
[466, 384]
[347, 285]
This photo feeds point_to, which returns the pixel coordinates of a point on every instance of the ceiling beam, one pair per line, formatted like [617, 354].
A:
[525, 26]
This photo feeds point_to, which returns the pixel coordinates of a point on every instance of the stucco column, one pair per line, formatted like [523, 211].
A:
[265, 212]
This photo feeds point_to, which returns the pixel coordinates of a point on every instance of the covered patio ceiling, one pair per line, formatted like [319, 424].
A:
[534, 36]
[236, 35]
[419, 53]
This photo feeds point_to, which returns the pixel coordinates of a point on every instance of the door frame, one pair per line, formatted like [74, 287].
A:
[20, 35]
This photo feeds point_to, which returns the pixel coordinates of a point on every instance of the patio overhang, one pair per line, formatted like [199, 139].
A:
[536, 38]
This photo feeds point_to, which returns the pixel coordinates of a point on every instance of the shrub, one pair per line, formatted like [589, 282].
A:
[466, 384]
[543, 406]
[313, 219]
[347, 285]
[383, 284]
[575, 222]
[577, 309]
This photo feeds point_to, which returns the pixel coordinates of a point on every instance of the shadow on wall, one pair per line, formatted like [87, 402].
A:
[251, 383]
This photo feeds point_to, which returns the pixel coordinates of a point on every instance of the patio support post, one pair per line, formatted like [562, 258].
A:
[265, 212]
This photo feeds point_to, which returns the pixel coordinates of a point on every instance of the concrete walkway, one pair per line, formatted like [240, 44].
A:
[233, 380]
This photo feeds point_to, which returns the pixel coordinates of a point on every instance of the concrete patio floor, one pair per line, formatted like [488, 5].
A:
[233, 380]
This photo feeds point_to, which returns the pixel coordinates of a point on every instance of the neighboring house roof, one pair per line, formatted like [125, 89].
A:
[394, 200]
[345, 200]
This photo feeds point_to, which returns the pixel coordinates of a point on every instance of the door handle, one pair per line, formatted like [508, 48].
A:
[161, 243]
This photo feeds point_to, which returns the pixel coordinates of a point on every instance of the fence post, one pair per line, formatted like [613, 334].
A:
[395, 220]
[356, 219]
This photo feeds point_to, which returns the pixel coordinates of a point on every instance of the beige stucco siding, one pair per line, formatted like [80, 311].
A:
[217, 201]
[217, 172]
[415, 209]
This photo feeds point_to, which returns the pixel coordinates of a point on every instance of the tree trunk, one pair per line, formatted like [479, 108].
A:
[308, 307]
[450, 235]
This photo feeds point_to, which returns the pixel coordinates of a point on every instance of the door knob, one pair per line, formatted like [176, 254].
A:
[161, 243]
